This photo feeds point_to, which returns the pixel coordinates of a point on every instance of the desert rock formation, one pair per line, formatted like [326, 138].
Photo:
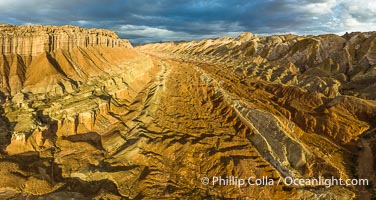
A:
[43, 59]
[329, 64]
[34, 40]
[85, 115]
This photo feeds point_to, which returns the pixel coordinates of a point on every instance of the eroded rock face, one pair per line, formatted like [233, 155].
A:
[329, 64]
[51, 59]
[34, 40]
[112, 122]
[295, 94]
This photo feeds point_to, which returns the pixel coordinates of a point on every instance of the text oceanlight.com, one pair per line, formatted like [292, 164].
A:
[288, 181]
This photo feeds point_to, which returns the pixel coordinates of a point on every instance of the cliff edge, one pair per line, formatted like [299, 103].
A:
[54, 59]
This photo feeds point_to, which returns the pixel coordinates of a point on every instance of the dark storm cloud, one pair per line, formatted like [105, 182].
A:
[147, 21]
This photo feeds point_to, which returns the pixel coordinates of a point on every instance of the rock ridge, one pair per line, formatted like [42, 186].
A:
[329, 64]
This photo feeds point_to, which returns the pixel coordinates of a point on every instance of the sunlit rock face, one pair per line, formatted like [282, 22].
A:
[329, 64]
[51, 59]
[34, 40]
[85, 115]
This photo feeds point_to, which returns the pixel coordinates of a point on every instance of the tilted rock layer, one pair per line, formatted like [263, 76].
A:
[328, 64]
[85, 115]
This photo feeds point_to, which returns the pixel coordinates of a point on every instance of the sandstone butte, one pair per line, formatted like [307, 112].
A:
[84, 115]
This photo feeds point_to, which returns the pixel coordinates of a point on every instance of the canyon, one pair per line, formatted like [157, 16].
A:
[85, 115]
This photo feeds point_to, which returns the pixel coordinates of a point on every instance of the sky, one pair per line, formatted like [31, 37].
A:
[144, 21]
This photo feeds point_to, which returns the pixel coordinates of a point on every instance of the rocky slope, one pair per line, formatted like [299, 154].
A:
[294, 92]
[100, 121]
[328, 64]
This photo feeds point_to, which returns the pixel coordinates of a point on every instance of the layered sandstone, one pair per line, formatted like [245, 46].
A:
[34, 40]
[112, 122]
[51, 59]
[307, 100]
[329, 64]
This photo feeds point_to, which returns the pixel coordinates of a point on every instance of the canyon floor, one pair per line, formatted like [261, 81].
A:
[156, 119]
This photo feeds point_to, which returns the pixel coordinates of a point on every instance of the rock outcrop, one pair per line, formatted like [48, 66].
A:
[87, 116]
[307, 100]
[329, 64]
[34, 40]
[51, 59]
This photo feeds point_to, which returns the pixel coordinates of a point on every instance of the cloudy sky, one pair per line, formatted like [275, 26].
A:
[144, 21]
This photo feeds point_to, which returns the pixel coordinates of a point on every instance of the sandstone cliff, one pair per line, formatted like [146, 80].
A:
[34, 40]
[42, 59]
